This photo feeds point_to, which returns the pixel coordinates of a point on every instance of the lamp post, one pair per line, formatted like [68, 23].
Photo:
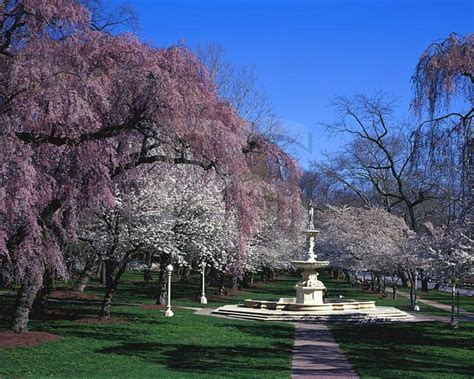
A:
[453, 323]
[203, 299]
[169, 312]
[416, 307]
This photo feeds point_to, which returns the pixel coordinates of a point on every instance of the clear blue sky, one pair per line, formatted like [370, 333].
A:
[307, 52]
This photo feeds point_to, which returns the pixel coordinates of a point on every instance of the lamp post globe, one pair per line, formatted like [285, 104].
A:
[169, 312]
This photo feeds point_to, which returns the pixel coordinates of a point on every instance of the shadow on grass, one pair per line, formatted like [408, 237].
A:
[264, 330]
[426, 348]
[7, 299]
[204, 359]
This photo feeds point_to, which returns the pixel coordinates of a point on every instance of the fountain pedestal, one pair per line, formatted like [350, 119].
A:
[310, 290]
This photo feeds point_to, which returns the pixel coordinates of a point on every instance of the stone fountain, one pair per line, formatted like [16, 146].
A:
[310, 290]
[310, 303]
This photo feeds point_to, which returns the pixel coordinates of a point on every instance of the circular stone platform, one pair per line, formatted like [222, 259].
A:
[360, 315]
[290, 304]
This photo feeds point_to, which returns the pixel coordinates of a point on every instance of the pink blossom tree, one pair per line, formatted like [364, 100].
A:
[443, 84]
[80, 107]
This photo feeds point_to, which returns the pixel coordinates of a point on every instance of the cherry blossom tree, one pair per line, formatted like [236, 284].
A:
[177, 214]
[273, 246]
[80, 108]
[367, 239]
[444, 70]
[447, 252]
[443, 84]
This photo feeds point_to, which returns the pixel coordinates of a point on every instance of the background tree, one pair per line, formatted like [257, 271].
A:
[371, 240]
[377, 164]
[239, 86]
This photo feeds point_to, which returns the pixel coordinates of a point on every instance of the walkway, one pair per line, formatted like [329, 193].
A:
[462, 312]
[315, 352]
[317, 355]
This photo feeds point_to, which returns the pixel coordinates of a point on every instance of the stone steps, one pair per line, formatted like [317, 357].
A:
[378, 314]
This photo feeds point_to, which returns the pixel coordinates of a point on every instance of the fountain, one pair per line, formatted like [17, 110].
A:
[310, 303]
[310, 290]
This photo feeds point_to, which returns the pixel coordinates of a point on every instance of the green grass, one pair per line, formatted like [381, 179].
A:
[187, 345]
[338, 287]
[151, 345]
[465, 302]
[408, 350]
[404, 350]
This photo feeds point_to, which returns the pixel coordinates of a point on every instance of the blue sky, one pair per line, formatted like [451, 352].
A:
[307, 52]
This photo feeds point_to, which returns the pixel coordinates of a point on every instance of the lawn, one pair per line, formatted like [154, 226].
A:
[147, 344]
[144, 343]
[408, 350]
[404, 350]
[465, 302]
[338, 287]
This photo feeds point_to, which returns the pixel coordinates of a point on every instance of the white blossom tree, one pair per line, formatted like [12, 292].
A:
[367, 240]
[447, 252]
[177, 214]
[272, 247]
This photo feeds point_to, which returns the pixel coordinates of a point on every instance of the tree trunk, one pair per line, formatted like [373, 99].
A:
[403, 277]
[347, 277]
[376, 287]
[372, 282]
[82, 282]
[162, 286]
[220, 286]
[111, 283]
[83, 278]
[236, 283]
[41, 299]
[147, 271]
[411, 213]
[106, 310]
[103, 273]
[185, 274]
[6, 276]
[412, 277]
[24, 302]
[248, 279]
[424, 285]
[110, 286]
[424, 282]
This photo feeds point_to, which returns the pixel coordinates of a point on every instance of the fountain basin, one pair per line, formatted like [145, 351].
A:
[291, 304]
[311, 232]
[310, 265]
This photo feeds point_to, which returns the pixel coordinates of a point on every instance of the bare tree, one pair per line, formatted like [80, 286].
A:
[377, 162]
[239, 86]
[112, 17]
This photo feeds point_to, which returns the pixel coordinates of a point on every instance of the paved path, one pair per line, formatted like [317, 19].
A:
[317, 355]
[466, 315]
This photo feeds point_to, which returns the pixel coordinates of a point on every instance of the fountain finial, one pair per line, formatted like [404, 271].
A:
[311, 215]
